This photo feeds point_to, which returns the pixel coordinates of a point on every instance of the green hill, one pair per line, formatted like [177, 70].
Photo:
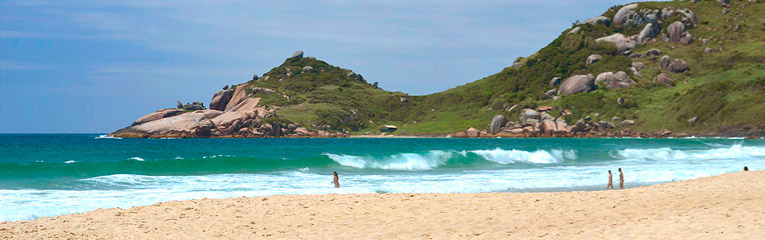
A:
[720, 92]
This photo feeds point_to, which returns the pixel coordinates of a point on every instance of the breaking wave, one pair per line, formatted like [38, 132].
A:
[439, 158]
[736, 151]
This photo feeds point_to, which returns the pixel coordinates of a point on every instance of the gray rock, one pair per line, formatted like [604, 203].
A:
[627, 122]
[575, 30]
[298, 55]
[664, 62]
[650, 31]
[625, 13]
[599, 20]
[614, 80]
[593, 58]
[529, 116]
[653, 52]
[707, 50]
[555, 81]
[638, 65]
[663, 78]
[577, 84]
[307, 69]
[178, 104]
[546, 116]
[194, 106]
[497, 122]
[621, 42]
[675, 31]
[551, 92]
[693, 119]
[556, 98]
[620, 100]
[615, 119]
[255, 77]
[678, 66]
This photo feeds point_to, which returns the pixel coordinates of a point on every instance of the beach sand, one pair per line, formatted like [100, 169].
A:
[729, 206]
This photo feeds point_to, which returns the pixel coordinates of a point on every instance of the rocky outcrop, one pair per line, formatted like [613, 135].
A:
[497, 122]
[653, 52]
[614, 80]
[593, 58]
[622, 43]
[577, 84]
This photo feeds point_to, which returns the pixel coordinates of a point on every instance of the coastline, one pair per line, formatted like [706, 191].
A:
[722, 206]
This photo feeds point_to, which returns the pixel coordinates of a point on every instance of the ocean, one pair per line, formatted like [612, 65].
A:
[50, 175]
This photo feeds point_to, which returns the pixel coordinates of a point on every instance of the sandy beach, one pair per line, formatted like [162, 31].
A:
[728, 206]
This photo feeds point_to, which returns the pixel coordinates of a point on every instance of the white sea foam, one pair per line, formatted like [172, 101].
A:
[401, 161]
[137, 159]
[70, 161]
[514, 156]
[736, 151]
[106, 137]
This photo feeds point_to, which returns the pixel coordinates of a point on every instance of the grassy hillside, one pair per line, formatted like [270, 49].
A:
[724, 88]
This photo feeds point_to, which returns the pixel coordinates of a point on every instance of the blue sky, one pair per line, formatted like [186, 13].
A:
[95, 66]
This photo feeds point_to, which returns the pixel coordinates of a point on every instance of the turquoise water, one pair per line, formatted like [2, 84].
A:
[48, 175]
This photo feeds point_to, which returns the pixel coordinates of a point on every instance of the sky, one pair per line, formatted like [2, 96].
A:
[94, 66]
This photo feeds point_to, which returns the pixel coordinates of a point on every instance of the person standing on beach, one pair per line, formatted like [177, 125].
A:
[621, 179]
[610, 180]
[336, 180]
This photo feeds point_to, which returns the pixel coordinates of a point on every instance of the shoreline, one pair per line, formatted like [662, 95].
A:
[722, 206]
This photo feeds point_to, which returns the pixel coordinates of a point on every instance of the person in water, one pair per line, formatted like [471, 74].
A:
[610, 180]
[621, 179]
[336, 180]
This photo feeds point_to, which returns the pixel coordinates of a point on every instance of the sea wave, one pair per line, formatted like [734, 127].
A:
[401, 161]
[736, 151]
[106, 137]
[439, 158]
[515, 156]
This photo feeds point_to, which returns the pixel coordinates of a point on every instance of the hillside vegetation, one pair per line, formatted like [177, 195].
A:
[724, 87]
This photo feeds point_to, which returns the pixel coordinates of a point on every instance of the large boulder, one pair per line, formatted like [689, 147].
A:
[298, 55]
[624, 14]
[221, 99]
[599, 20]
[473, 133]
[621, 42]
[577, 84]
[678, 66]
[614, 80]
[497, 122]
[653, 52]
[555, 81]
[675, 31]
[593, 58]
[529, 116]
[650, 31]
[663, 78]
[157, 115]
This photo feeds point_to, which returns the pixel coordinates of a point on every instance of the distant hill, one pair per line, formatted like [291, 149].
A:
[680, 66]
